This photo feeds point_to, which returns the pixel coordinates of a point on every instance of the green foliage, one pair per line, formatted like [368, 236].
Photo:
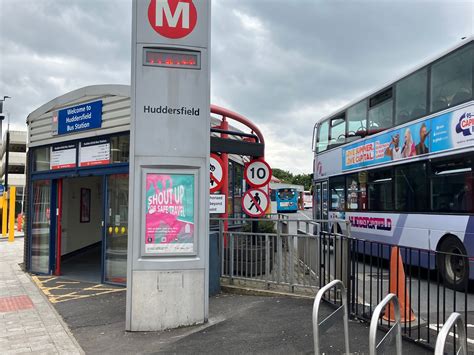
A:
[263, 227]
[289, 178]
[284, 176]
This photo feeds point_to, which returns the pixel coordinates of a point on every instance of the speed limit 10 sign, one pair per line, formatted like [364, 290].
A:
[257, 173]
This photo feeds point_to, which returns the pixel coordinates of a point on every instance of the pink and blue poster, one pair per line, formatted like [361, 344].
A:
[169, 221]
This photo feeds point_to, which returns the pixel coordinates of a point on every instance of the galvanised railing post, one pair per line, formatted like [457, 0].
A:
[231, 248]
[292, 262]
[222, 243]
[279, 253]
[267, 260]
[350, 278]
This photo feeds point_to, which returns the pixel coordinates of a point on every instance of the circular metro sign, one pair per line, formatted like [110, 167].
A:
[216, 169]
[258, 173]
[172, 18]
[255, 202]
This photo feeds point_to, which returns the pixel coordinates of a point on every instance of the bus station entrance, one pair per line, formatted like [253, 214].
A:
[86, 239]
[78, 183]
[93, 229]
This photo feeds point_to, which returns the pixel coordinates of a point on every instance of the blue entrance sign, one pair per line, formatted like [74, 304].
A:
[2, 189]
[80, 118]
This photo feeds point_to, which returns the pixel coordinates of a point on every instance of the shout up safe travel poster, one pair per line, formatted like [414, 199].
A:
[169, 221]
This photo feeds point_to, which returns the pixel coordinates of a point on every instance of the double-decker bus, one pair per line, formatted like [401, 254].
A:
[398, 163]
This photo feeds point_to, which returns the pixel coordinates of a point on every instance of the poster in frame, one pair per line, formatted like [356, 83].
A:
[85, 212]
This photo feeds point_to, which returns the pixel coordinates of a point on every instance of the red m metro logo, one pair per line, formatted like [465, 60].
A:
[172, 18]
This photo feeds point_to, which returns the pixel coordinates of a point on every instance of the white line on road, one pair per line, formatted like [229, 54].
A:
[302, 214]
[435, 327]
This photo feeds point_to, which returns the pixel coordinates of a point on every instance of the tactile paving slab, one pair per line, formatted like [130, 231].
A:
[15, 303]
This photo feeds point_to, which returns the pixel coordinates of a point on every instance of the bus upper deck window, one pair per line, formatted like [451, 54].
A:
[451, 79]
[356, 118]
[381, 111]
[323, 136]
[338, 130]
[411, 96]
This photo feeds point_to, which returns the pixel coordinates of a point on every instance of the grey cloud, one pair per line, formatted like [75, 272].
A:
[282, 63]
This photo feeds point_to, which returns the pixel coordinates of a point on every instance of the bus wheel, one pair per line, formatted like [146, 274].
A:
[453, 266]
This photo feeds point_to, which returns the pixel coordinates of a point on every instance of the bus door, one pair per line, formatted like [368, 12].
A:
[320, 203]
[324, 200]
[317, 201]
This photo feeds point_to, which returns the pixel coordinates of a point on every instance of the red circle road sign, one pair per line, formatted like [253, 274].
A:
[255, 202]
[216, 168]
[258, 173]
[172, 18]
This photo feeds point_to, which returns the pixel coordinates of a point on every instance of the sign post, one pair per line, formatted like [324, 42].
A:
[168, 246]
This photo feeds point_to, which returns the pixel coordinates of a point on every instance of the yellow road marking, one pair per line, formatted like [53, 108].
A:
[76, 294]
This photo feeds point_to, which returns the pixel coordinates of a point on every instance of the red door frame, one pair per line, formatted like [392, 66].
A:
[59, 213]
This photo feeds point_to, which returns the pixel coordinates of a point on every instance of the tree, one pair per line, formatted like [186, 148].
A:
[284, 176]
[289, 178]
[302, 179]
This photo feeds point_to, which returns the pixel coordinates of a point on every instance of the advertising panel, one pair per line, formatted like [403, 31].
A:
[63, 156]
[79, 118]
[94, 152]
[169, 219]
[447, 131]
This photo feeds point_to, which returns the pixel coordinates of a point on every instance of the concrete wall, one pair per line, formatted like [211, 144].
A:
[77, 235]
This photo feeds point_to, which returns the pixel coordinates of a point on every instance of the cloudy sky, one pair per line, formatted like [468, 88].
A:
[281, 63]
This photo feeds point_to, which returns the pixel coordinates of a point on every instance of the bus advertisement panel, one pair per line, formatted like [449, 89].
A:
[447, 131]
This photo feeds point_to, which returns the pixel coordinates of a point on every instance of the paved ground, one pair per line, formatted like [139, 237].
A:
[237, 325]
[96, 316]
[28, 322]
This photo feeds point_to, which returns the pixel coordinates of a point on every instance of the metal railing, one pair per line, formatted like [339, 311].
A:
[340, 313]
[393, 333]
[302, 256]
[454, 320]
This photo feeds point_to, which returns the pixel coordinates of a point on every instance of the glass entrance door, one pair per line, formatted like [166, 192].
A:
[40, 226]
[116, 229]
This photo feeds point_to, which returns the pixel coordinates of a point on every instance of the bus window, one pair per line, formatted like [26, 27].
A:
[338, 130]
[357, 191]
[411, 188]
[380, 190]
[410, 97]
[381, 111]
[272, 195]
[452, 185]
[337, 193]
[451, 80]
[323, 133]
[356, 120]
